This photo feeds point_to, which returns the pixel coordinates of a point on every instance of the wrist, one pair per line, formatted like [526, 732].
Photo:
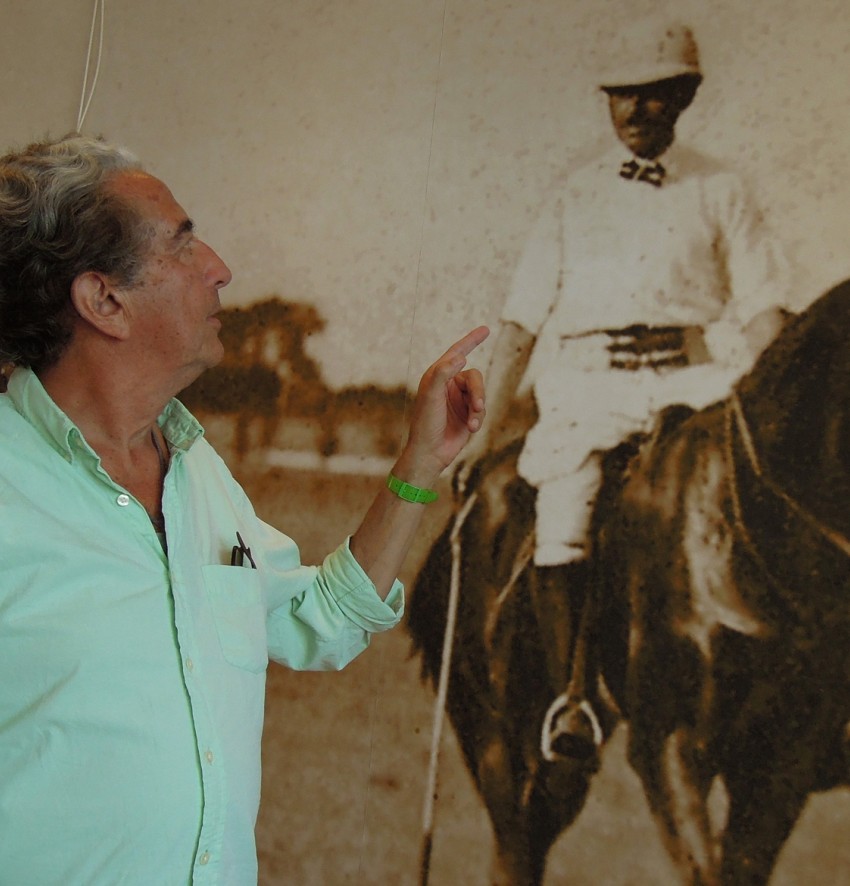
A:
[409, 492]
[416, 472]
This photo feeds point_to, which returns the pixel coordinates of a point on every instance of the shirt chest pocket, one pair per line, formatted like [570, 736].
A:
[239, 613]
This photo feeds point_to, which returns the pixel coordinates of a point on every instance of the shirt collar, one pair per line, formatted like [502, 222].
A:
[180, 428]
[671, 160]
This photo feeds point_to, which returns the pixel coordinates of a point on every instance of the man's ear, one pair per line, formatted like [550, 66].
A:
[100, 304]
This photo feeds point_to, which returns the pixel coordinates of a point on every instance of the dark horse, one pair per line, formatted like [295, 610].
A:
[716, 606]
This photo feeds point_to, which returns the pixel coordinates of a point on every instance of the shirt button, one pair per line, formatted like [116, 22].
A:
[205, 857]
[190, 665]
[123, 500]
[209, 756]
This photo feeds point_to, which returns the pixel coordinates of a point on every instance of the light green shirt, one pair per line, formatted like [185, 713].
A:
[131, 682]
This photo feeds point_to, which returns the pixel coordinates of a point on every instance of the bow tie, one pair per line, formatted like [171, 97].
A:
[651, 173]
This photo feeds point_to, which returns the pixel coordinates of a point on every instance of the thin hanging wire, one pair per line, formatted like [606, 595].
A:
[416, 284]
[98, 14]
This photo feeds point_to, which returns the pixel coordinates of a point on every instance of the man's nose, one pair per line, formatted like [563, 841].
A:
[644, 111]
[217, 270]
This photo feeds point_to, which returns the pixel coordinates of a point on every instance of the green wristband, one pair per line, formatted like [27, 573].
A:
[409, 492]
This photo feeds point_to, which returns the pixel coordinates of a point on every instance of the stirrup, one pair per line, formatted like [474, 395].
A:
[548, 735]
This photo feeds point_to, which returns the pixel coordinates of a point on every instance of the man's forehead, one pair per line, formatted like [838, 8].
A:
[656, 87]
[150, 197]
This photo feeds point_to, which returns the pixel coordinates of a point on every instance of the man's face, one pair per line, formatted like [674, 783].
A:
[172, 305]
[644, 117]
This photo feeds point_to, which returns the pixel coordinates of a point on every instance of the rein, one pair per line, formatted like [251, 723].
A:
[735, 417]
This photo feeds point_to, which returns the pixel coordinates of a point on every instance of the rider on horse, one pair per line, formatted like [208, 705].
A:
[647, 281]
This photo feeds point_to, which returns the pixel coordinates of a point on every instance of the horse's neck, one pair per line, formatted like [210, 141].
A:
[796, 403]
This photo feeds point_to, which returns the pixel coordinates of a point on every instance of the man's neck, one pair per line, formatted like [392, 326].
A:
[114, 407]
[655, 158]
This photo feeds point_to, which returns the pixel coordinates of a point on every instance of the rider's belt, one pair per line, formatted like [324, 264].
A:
[650, 347]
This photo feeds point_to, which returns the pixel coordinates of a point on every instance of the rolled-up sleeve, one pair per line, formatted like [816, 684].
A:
[322, 617]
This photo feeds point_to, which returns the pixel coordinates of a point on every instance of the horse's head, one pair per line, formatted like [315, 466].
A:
[797, 402]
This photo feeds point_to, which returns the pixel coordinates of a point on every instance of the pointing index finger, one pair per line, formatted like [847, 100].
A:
[468, 343]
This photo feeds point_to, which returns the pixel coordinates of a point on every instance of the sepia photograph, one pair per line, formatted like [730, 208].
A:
[620, 655]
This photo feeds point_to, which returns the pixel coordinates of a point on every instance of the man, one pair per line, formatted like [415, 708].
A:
[140, 595]
[649, 281]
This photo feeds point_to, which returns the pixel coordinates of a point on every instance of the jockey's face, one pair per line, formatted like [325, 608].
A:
[644, 117]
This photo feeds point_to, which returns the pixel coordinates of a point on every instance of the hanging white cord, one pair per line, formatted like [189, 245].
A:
[442, 691]
[85, 101]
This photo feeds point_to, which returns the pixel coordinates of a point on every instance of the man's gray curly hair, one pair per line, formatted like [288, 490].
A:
[57, 220]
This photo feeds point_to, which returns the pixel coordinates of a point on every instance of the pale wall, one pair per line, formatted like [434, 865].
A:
[383, 158]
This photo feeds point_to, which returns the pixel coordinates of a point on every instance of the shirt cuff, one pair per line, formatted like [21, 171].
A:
[355, 592]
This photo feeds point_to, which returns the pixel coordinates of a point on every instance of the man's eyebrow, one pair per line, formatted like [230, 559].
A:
[187, 226]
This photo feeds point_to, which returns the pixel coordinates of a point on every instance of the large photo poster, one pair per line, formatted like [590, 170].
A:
[648, 548]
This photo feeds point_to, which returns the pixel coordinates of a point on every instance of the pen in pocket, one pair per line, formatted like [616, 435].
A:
[239, 552]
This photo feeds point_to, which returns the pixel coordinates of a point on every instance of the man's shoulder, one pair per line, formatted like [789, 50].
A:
[686, 162]
[24, 452]
[12, 423]
[696, 160]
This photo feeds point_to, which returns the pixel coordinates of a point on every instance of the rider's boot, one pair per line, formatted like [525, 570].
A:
[571, 728]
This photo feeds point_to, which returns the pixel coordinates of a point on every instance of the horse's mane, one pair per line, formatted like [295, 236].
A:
[797, 402]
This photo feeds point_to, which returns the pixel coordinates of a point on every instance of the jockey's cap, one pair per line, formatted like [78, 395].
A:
[648, 52]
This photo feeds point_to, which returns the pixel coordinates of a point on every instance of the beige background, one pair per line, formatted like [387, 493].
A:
[383, 159]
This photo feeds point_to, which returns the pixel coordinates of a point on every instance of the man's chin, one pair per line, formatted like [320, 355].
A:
[217, 357]
[213, 355]
[208, 361]
[646, 143]
[649, 148]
